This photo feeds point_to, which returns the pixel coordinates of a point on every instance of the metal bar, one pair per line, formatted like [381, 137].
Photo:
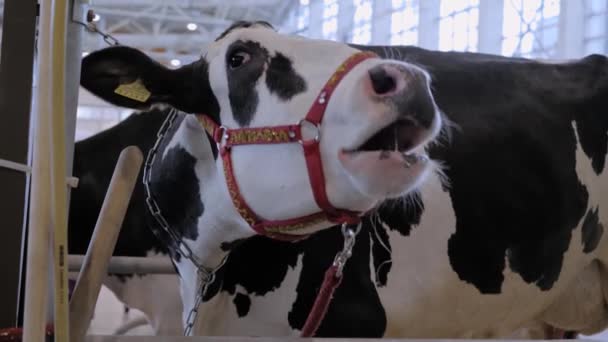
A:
[127, 21]
[130, 14]
[185, 41]
[129, 265]
[16, 67]
[103, 241]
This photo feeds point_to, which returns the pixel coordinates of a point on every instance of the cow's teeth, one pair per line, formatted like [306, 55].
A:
[413, 158]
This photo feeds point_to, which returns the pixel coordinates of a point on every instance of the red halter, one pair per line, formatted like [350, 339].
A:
[227, 138]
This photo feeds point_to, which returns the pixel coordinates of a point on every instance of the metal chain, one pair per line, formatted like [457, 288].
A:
[203, 281]
[205, 276]
[350, 236]
[91, 27]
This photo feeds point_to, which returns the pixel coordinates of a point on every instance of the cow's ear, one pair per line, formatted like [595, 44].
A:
[127, 77]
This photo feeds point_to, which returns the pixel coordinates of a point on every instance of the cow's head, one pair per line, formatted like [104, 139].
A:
[375, 128]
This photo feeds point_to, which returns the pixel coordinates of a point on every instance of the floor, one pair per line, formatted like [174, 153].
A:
[109, 315]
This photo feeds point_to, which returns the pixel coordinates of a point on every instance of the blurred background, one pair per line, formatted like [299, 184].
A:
[176, 31]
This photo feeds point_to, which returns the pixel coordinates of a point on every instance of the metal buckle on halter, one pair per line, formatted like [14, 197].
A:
[221, 135]
[311, 127]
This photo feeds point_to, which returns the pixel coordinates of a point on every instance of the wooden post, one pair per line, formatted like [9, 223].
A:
[59, 189]
[103, 240]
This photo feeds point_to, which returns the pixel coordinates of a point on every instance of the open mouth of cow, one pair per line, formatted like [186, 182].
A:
[401, 138]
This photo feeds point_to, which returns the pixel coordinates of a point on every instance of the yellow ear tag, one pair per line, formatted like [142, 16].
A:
[135, 91]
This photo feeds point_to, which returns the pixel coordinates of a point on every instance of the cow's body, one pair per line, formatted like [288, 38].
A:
[514, 240]
[511, 237]
[156, 295]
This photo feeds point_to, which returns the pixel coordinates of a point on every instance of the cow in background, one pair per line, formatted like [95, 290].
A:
[156, 295]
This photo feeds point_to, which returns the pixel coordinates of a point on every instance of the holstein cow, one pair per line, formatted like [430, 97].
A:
[507, 233]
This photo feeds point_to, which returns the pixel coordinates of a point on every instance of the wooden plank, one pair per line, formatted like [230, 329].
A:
[103, 241]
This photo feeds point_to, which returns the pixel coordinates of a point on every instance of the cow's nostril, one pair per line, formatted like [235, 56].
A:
[382, 82]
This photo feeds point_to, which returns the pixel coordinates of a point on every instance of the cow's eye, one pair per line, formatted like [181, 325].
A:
[238, 58]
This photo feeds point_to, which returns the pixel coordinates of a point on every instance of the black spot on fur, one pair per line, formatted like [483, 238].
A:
[243, 24]
[592, 230]
[526, 213]
[177, 191]
[230, 245]
[591, 121]
[242, 303]
[282, 79]
[243, 80]
[400, 216]
[364, 317]
[262, 272]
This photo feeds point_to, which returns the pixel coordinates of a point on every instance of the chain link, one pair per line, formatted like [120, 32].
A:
[203, 282]
[350, 236]
[91, 27]
[205, 276]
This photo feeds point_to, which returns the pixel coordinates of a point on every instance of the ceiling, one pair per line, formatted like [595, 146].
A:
[161, 27]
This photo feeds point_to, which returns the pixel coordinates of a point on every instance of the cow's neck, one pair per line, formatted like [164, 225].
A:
[192, 199]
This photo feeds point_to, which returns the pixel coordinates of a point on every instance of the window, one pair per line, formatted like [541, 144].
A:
[404, 22]
[93, 119]
[330, 19]
[458, 23]
[530, 28]
[303, 17]
[595, 26]
[362, 26]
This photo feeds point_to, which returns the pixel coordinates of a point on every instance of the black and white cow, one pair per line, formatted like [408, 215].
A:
[508, 234]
